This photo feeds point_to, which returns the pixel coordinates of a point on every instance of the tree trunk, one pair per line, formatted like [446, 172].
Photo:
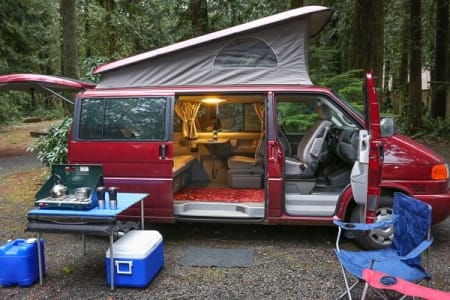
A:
[366, 49]
[199, 17]
[69, 54]
[440, 72]
[402, 85]
[415, 105]
[110, 27]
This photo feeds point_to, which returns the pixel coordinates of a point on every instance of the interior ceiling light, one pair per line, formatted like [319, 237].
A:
[213, 100]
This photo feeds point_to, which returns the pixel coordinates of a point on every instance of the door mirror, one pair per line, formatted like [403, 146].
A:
[387, 127]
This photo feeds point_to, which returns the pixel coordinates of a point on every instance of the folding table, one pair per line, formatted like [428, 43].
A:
[96, 221]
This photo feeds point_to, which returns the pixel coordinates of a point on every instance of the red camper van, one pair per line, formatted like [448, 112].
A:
[227, 127]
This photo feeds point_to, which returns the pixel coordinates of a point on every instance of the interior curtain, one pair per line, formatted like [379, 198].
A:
[260, 112]
[187, 111]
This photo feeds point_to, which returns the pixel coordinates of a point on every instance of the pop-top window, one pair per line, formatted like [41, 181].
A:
[123, 119]
[246, 53]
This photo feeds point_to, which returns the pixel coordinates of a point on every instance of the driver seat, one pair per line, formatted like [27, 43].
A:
[309, 149]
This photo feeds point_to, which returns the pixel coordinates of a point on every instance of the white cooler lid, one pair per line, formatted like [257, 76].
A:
[136, 244]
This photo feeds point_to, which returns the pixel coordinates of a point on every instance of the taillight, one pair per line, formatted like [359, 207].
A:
[439, 172]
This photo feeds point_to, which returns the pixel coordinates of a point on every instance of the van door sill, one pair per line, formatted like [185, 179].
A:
[320, 205]
[219, 210]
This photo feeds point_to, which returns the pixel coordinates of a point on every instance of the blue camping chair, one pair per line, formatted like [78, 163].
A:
[411, 219]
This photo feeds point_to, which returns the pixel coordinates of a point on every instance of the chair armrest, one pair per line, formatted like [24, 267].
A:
[359, 226]
[363, 226]
[381, 280]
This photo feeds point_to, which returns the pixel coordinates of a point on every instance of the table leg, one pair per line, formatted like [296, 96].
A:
[111, 260]
[41, 281]
[83, 238]
[142, 214]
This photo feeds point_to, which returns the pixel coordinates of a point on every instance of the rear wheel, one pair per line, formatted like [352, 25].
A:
[379, 238]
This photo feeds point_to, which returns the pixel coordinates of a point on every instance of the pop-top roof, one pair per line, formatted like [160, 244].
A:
[270, 50]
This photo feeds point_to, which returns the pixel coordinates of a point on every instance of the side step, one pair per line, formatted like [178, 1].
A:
[320, 205]
[219, 210]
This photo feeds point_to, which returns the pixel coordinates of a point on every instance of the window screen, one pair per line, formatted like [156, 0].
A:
[246, 52]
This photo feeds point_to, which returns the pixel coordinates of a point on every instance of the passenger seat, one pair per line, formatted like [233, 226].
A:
[310, 147]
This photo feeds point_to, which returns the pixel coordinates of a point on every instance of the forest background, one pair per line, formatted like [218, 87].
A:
[396, 39]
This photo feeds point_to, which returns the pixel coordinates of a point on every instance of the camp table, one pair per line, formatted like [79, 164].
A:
[95, 221]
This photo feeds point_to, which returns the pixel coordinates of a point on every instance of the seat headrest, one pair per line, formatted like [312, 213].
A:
[324, 112]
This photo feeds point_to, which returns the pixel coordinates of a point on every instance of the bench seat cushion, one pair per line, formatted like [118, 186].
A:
[181, 163]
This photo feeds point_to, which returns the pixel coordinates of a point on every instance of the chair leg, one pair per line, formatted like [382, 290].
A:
[349, 288]
[348, 292]
[346, 284]
[365, 291]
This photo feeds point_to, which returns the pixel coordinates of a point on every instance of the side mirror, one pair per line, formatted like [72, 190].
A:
[387, 127]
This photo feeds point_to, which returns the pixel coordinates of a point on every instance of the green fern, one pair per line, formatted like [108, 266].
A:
[52, 147]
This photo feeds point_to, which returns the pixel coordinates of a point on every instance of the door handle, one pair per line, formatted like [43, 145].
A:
[381, 149]
[162, 152]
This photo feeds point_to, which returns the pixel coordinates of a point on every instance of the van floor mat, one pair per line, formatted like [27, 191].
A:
[223, 258]
[220, 195]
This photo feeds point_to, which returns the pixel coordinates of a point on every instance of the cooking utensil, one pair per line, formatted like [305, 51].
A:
[82, 193]
[58, 191]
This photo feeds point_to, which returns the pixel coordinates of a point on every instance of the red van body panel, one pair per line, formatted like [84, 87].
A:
[406, 167]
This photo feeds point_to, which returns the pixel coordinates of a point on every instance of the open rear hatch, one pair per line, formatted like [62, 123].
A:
[43, 84]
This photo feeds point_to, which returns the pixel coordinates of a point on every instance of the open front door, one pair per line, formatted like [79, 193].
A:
[366, 172]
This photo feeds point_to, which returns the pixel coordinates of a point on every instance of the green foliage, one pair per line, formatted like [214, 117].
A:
[226, 13]
[348, 84]
[25, 40]
[30, 39]
[52, 147]
[296, 117]
[49, 114]
[299, 123]
[434, 128]
[9, 110]
[88, 65]
[323, 63]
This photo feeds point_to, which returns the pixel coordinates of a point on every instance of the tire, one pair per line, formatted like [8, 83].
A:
[379, 238]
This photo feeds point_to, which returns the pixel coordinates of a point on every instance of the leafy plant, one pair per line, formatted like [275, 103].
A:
[88, 66]
[52, 147]
[434, 128]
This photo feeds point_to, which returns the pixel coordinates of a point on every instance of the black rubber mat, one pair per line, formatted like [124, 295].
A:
[224, 258]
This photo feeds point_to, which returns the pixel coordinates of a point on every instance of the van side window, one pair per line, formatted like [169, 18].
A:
[123, 118]
[228, 117]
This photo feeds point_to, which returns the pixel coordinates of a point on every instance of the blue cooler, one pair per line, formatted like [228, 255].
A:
[138, 257]
[19, 262]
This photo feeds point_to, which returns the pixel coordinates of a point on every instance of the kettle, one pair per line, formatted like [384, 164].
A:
[58, 190]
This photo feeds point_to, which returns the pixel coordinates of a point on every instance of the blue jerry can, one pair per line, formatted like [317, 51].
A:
[19, 262]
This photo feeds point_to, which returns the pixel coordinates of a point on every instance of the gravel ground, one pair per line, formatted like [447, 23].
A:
[18, 163]
[291, 262]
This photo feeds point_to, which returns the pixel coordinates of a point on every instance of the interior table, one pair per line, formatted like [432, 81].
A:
[212, 145]
[95, 221]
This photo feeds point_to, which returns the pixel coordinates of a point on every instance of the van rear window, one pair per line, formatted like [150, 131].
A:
[123, 118]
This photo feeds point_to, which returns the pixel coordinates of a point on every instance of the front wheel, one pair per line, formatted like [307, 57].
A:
[379, 238]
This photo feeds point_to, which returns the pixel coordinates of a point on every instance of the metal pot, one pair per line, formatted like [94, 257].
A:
[82, 193]
[58, 191]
